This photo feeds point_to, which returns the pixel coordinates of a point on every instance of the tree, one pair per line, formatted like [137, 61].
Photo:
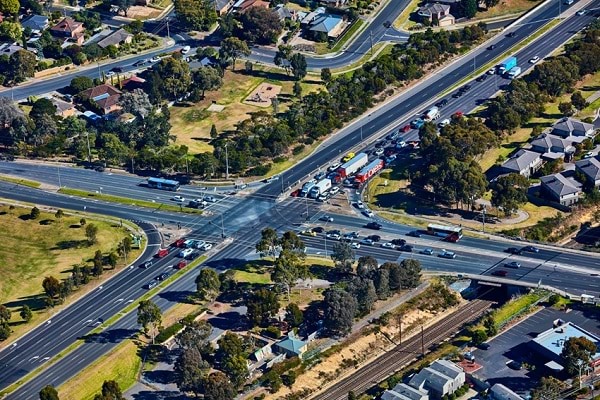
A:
[339, 311]
[262, 306]
[91, 233]
[469, 8]
[23, 65]
[5, 331]
[232, 358]
[10, 31]
[549, 388]
[490, 325]
[289, 265]
[293, 315]
[4, 313]
[395, 275]
[213, 132]
[218, 387]
[237, 369]
[175, 77]
[231, 49]
[112, 259]
[282, 57]
[297, 89]
[149, 317]
[82, 222]
[196, 14]
[110, 391]
[343, 255]
[381, 280]
[59, 214]
[298, 65]
[48, 393]
[577, 352]
[9, 7]
[326, 75]
[26, 313]
[80, 83]
[195, 335]
[122, 5]
[51, 286]
[366, 266]
[208, 284]
[509, 192]
[42, 107]
[35, 213]
[412, 272]
[259, 25]
[136, 102]
[268, 245]
[566, 108]
[206, 78]
[363, 290]
[578, 101]
[190, 371]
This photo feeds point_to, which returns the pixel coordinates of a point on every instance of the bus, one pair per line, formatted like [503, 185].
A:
[448, 233]
[164, 184]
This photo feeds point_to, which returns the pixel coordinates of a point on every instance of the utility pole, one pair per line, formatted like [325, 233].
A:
[371, 37]
[87, 135]
[58, 169]
[400, 326]
[168, 31]
[226, 162]
[422, 343]
[483, 219]
[222, 227]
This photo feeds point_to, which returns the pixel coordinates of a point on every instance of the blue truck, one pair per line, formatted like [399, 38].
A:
[507, 65]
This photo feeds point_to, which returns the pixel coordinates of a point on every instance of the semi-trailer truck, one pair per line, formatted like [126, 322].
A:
[432, 113]
[320, 187]
[514, 72]
[507, 65]
[355, 164]
[368, 171]
[306, 188]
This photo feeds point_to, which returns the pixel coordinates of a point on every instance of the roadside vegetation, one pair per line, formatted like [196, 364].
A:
[40, 253]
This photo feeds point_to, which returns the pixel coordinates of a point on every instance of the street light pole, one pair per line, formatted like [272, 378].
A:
[226, 162]
[87, 135]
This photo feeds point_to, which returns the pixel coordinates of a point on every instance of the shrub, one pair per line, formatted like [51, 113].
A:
[554, 299]
[259, 170]
[279, 159]
[272, 331]
[35, 213]
[168, 332]
[298, 149]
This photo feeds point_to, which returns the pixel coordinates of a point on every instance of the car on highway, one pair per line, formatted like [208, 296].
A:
[184, 253]
[333, 236]
[333, 166]
[444, 122]
[162, 253]
[417, 123]
[500, 272]
[318, 229]
[326, 218]
[447, 254]
[531, 249]
[368, 213]
[581, 12]
[511, 34]
[457, 94]
[139, 63]
[513, 250]
[458, 115]
[427, 251]
[491, 71]
[178, 199]
[206, 246]
[185, 49]
[155, 59]
[534, 59]
[355, 245]
[373, 225]
[210, 199]
[367, 241]
[375, 238]
[465, 88]
[348, 157]
[308, 233]
[146, 264]
[405, 128]
[151, 284]
[388, 245]
[109, 74]
[513, 264]
[481, 78]
[181, 264]
[378, 152]
[441, 103]
[162, 276]
[406, 247]
[399, 242]
[491, 47]
[387, 24]
[360, 205]
[118, 70]
[353, 235]
[414, 234]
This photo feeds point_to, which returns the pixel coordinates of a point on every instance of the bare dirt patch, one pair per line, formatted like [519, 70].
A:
[263, 94]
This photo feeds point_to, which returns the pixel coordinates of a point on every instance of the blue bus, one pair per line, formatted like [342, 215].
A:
[163, 184]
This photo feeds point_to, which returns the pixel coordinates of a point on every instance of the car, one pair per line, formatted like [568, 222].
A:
[458, 94]
[417, 123]
[178, 199]
[589, 154]
[407, 247]
[534, 59]
[458, 115]
[380, 144]
[390, 159]
[308, 233]
[512, 364]
[334, 190]
[354, 234]
[469, 356]
[441, 103]
[320, 176]
[513, 250]
[155, 59]
[481, 78]
[360, 205]
[375, 238]
[491, 71]
[374, 225]
[447, 254]
[117, 69]
[378, 152]
[492, 47]
[185, 49]
[511, 34]
[400, 145]
[206, 246]
[483, 346]
[348, 157]
[512, 264]
[367, 241]
[368, 213]
[581, 12]
[465, 88]
[531, 249]
[109, 74]
[355, 245]
[399, 242]
[568, 2]
[139, 63]
[333, 236]
[323, 197]
[427, 251]
[318, 229]
[210, 199]
[162, 276]
[181, 264]
[387, 24]
[333, 166]
[444, 122]
[151, 284]
[414, 234]
[326, 218]
[500, 272]
[388, 245]
[405, 128]
[99, 168]
[146, 264]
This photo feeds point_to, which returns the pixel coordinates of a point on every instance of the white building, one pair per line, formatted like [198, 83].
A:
[442, 377]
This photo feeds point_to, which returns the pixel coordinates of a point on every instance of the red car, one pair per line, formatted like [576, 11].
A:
[458, 115]
[500, 273]
[179, 243]
[405, 129]
[295, 193]
[181, 265]
[162, 253]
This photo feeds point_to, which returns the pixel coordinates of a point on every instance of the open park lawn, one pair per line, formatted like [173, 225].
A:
[47, 246]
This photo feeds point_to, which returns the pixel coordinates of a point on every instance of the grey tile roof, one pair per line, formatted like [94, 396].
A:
[574, 126]
[521, 160]
[434, 9]
[560, 185]
[590, 167]
[405, 392]
[501, 392]
[447, 368]
[431, 378]
[548, 141]
[36, 22]
[115, 38]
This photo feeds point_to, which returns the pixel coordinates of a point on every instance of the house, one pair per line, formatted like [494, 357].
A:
[37, 23]
[223, 6]
[68, 28]
[561, 189]
[285, 13]
[402, 391]
[63, 108]
[242, 5]
[501, 392]
[105, 96]
[334, 3]
[523, 162]
[9, 49]
[437, 14]
[573, 127]
[291, 346]
[116, 38]
[441, 378]
[329, 24]
[590, 167]
[552, 146]
[133, 82]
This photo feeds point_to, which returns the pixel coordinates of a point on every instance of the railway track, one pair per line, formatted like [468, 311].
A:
[401, 355]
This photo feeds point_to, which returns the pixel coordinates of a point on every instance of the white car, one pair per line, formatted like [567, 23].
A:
[589, 154]
[210, 199]
[534, 60]
[581, 12]
[355, 245]
[444, 123]
[206, 246]
[334, 190]
[178, 199]
[368, 213]
[109, 74]
[491, 71]
[360, 205]
[379, 151]
[367, 241]
[186, 50]
[333, 236]
[333, 167]
[155, 59]
[388, 245]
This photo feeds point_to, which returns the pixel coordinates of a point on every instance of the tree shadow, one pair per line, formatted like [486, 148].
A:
[159, 395]
[177, 296]
[46, 222]
[321, 272]
[269, 75]
[110, 336]
[35, 302]
[25, 217]
[70, 244]
[159, 376]
[74, 226]
[231, 320]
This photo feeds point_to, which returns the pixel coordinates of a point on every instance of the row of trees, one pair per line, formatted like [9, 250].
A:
[110, 391]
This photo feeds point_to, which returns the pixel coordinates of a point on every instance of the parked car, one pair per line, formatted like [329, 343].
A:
[417, 123]
[334, 166]
[320, 175]
[334, 190]
[185, 49]
[206, 246]
[512, 364]
[444, 123]
[483, 346]
[378, 152]
[405, 128]
[360, 205]
[469, 356]
[155, 59]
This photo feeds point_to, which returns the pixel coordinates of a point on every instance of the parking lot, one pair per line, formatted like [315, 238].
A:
[513, 345]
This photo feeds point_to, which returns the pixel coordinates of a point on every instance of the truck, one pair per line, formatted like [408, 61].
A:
[514, 72]
[507, 65]
[431, 114]
[368, 171]
[355, 164]
[320, 187]
[307, 187]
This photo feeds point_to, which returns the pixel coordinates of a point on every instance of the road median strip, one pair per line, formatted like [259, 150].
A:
[20, 181]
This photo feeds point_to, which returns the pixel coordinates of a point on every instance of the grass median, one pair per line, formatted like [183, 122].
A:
[20, 181]
[128, 201]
